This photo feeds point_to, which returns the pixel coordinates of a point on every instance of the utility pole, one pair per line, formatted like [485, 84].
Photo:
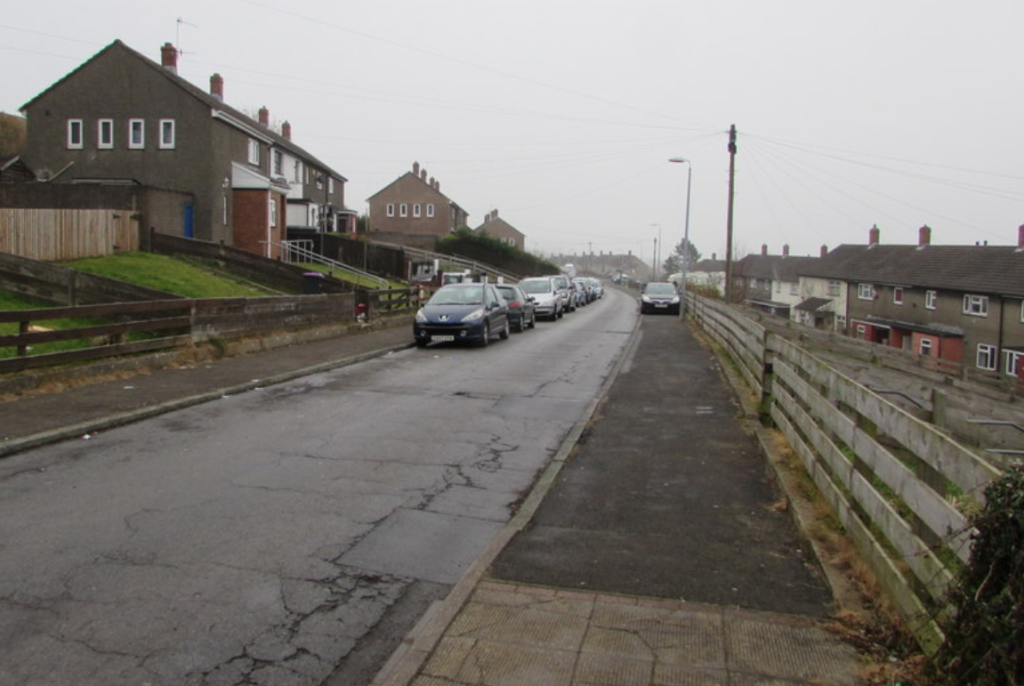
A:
[728, 225]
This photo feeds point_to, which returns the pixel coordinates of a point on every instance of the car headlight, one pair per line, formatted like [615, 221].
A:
[420, 317]
[675, 300]
[475, 314]
[645, 298]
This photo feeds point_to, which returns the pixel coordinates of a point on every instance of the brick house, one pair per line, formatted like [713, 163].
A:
[770, 282]
[121, 118]
[496, 227]
[962, 304]
[413, 206]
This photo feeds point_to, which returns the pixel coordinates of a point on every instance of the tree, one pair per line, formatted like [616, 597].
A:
[685, 251]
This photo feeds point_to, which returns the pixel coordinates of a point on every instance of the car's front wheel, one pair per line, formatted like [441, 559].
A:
[503, 334]
[486, 337]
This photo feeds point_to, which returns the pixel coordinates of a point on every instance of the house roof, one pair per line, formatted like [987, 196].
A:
[774, 267]
[709, 266]
[214, 103]
[972, 268]
[418, 178]
[497, 223]
[813, 305]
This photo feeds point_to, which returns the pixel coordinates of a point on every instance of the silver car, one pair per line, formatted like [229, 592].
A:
[548, 301]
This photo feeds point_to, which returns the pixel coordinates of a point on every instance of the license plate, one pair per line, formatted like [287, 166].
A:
[442, 339]
[661, 304]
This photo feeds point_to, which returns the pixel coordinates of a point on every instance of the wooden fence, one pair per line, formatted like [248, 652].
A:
[65, 234]
[127, 328]
[899, 485]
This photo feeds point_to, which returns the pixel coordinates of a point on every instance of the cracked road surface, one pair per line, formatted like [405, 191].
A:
[290, 535]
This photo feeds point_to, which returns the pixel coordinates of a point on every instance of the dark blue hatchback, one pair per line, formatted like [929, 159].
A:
[469, 312]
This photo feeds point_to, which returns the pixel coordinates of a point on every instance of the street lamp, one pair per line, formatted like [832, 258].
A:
[686, 233]
[657, 255]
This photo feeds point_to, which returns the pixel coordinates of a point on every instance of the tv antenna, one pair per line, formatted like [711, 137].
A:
[177, 33]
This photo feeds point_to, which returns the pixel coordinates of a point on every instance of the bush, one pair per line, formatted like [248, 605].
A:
[489, 250]
[984, 643]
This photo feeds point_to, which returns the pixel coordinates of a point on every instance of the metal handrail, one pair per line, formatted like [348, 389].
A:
[292, 251]
[464, 263]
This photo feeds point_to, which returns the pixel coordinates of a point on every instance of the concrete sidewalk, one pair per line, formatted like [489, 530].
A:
[586, 624]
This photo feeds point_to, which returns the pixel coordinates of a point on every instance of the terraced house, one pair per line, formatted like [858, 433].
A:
[961, 304]
[123, 119]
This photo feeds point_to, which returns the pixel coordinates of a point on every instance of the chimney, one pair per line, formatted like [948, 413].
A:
[286, 130]
[437, 186]
[264, 116]
[714, 257]
[423, 175]
[785, 250]
[494, 214]
[432, 182]
[217, 86]
[824, 250]
[1020, 237]
[416, 168]
[873, 235]
[169, 57]
[764, 248]
[924, 236]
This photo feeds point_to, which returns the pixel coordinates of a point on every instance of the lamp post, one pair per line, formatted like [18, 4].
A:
[656, 272]
[686, 234]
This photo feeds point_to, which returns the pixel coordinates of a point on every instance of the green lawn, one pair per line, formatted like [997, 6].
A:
[170, 274]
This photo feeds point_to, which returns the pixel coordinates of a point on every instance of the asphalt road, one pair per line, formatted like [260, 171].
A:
[292, 534]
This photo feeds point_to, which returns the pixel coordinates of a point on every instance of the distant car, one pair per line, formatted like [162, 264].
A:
[462, 312]
[564, 285]
[659, 296]
[598, 287]
[547, 300]
[583, 283]
[522, 310]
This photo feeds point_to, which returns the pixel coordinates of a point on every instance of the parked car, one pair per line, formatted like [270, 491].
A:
[584, 285]
[547, 300]
[522, 311]
[470, 312]
[659, 296]
[598, 287]
[564, 285]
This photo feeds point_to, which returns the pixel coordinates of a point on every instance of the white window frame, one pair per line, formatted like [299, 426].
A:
[416, 209]
[975, 305]
[430, 213]
[330, 184]
[391, 209]
[278, 165]
[403, 210]
[931, 299]
[865, 291]
[986, 357]
[862, 332]
[136, 134]
[76, 134]
[897, 295]
[925, 346]
[297, 172]
[1014, 359]
[254, 151]
[794, 288]
[105, 134]
[168, 134]
[273, 213]
[834, 287]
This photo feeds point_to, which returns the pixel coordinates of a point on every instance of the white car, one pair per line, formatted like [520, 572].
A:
[547, 299]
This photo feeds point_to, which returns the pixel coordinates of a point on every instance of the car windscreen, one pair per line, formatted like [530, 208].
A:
[535, 286]
[660, 289]
[509, 294]
[458, 296]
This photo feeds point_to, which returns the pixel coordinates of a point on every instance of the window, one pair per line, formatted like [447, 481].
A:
[897, 295]
[976, 305]
[391, 209]
[416, 210]
[254, 151]
[403, 210]
[862, 331]
[297, 172]
[1013, 362]
[167, 134]
[278, 163]
[926, 347]
[430, 213]
[931, 299]
[794, 288]
[319, 180]
[866, 291]
[273, 213]
[833, 288]
[330, 185]
[986, 356]
[75, 134]
[105, 134]
[136, 134]
[778, 286]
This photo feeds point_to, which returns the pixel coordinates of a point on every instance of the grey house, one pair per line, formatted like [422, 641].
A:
[121, 118]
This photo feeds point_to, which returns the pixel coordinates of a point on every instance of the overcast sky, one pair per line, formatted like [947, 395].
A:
[562, 114]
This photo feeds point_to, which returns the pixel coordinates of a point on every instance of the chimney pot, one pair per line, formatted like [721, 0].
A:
[824, 250]
[873, 235]
[286, 130]
[169, 57]
[423, 174]
[416, 168]
[264, 116]
[764, 248]
[785, 250]
[924, 236]
[217, 86]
